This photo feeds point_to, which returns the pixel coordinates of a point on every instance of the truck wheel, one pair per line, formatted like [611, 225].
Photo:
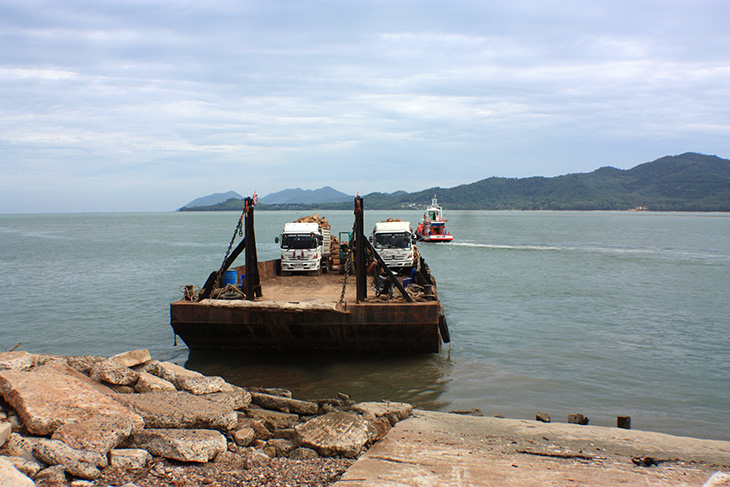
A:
[286, 273]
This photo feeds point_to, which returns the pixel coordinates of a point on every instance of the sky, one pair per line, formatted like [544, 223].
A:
[145, 105]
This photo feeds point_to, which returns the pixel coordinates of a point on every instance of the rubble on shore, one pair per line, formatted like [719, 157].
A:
[130, 420]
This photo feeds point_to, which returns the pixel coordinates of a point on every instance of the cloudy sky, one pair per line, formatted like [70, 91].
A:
[144, 105]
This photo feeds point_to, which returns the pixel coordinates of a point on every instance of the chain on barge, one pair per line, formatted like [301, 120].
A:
[328, 312]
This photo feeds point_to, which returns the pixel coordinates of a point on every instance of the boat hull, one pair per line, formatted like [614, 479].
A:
[436, 238]
[266, 326]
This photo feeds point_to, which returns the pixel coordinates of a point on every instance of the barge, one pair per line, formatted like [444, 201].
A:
[333, 312]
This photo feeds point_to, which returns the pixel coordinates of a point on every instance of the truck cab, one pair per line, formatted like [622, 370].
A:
[393, 241]
[304, 248]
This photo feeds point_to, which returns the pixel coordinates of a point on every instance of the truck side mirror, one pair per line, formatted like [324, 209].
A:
[276, 239]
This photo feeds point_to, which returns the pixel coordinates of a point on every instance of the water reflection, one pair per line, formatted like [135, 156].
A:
[419, 380]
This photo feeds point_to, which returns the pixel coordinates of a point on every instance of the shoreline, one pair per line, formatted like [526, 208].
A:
[256, 436]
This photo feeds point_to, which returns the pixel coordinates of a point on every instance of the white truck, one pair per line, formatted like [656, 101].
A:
[305, 247]
[393, 241]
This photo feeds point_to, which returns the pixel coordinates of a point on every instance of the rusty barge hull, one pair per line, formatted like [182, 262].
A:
[262, 326]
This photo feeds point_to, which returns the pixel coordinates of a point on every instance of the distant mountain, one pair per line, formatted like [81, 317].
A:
[305, 197]
[687, 182]
[212, 199]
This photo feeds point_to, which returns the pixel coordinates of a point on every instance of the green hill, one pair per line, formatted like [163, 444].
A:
[687, 182]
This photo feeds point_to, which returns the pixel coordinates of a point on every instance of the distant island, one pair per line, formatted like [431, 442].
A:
[687, 182]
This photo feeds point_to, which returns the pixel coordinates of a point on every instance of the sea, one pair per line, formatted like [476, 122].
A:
[601, 313]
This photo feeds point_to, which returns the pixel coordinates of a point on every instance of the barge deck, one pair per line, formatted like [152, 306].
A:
[329, 312]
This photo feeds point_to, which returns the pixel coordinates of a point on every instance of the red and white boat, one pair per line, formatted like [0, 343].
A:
[433, 226]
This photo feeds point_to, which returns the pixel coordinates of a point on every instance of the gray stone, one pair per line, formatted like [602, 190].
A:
[262, 432]
[100, 434]
[84, 363]
[79, 463]
[282, 447]
[45, 400]
[150, 383]
[273, 420]
[187, 380]
[577, 419]
[12, 477]
[129, 458]
[336, 433]
[256, 459]
[54, 476]
[81, 483]
[303, 454]
[16, 360]
[382, 426]
[286, 433]
[279, 403]
[132, 357]
[542, 417]
[244, 436]
[193, 445]
[372, 410]
[178, 409]
[113, 373]
[5, 429]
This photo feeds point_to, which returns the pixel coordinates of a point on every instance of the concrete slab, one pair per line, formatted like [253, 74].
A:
[441, 449]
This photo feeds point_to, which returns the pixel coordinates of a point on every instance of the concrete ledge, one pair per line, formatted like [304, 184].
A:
[443, 449]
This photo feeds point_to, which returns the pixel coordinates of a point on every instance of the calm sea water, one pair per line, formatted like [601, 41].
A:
[604, 314]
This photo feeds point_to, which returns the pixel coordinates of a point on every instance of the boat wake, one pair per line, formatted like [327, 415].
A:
[670, 253]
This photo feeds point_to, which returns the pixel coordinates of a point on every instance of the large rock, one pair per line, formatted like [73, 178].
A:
[132, 358]
[336, 433]
[238, 398]
[285, 404]
[79, 463]
[178, 409]
[194, 445]
[150, 383]
[372, 410]
[129, 458]
[273, 420]
[19, 446]
[262, 432]
[187, 380]
[84, 363]
[46, 400]
[16, 361]
[12, 477]
[54, 476]
[28, 467]
[111, 372]
[100, 434]
[5, 430]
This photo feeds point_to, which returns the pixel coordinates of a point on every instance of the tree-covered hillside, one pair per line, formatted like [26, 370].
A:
[688, 182]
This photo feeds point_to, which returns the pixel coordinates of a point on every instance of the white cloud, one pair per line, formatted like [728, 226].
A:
[193, 97]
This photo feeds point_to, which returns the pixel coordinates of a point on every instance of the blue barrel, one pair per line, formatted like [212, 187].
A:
[229, 277]
[241, 279]
[406, 281]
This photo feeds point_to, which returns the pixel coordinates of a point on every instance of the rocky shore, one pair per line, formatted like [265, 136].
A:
[131, 421]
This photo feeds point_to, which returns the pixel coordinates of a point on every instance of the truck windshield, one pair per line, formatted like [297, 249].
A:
[298, 242]
[392, 240]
